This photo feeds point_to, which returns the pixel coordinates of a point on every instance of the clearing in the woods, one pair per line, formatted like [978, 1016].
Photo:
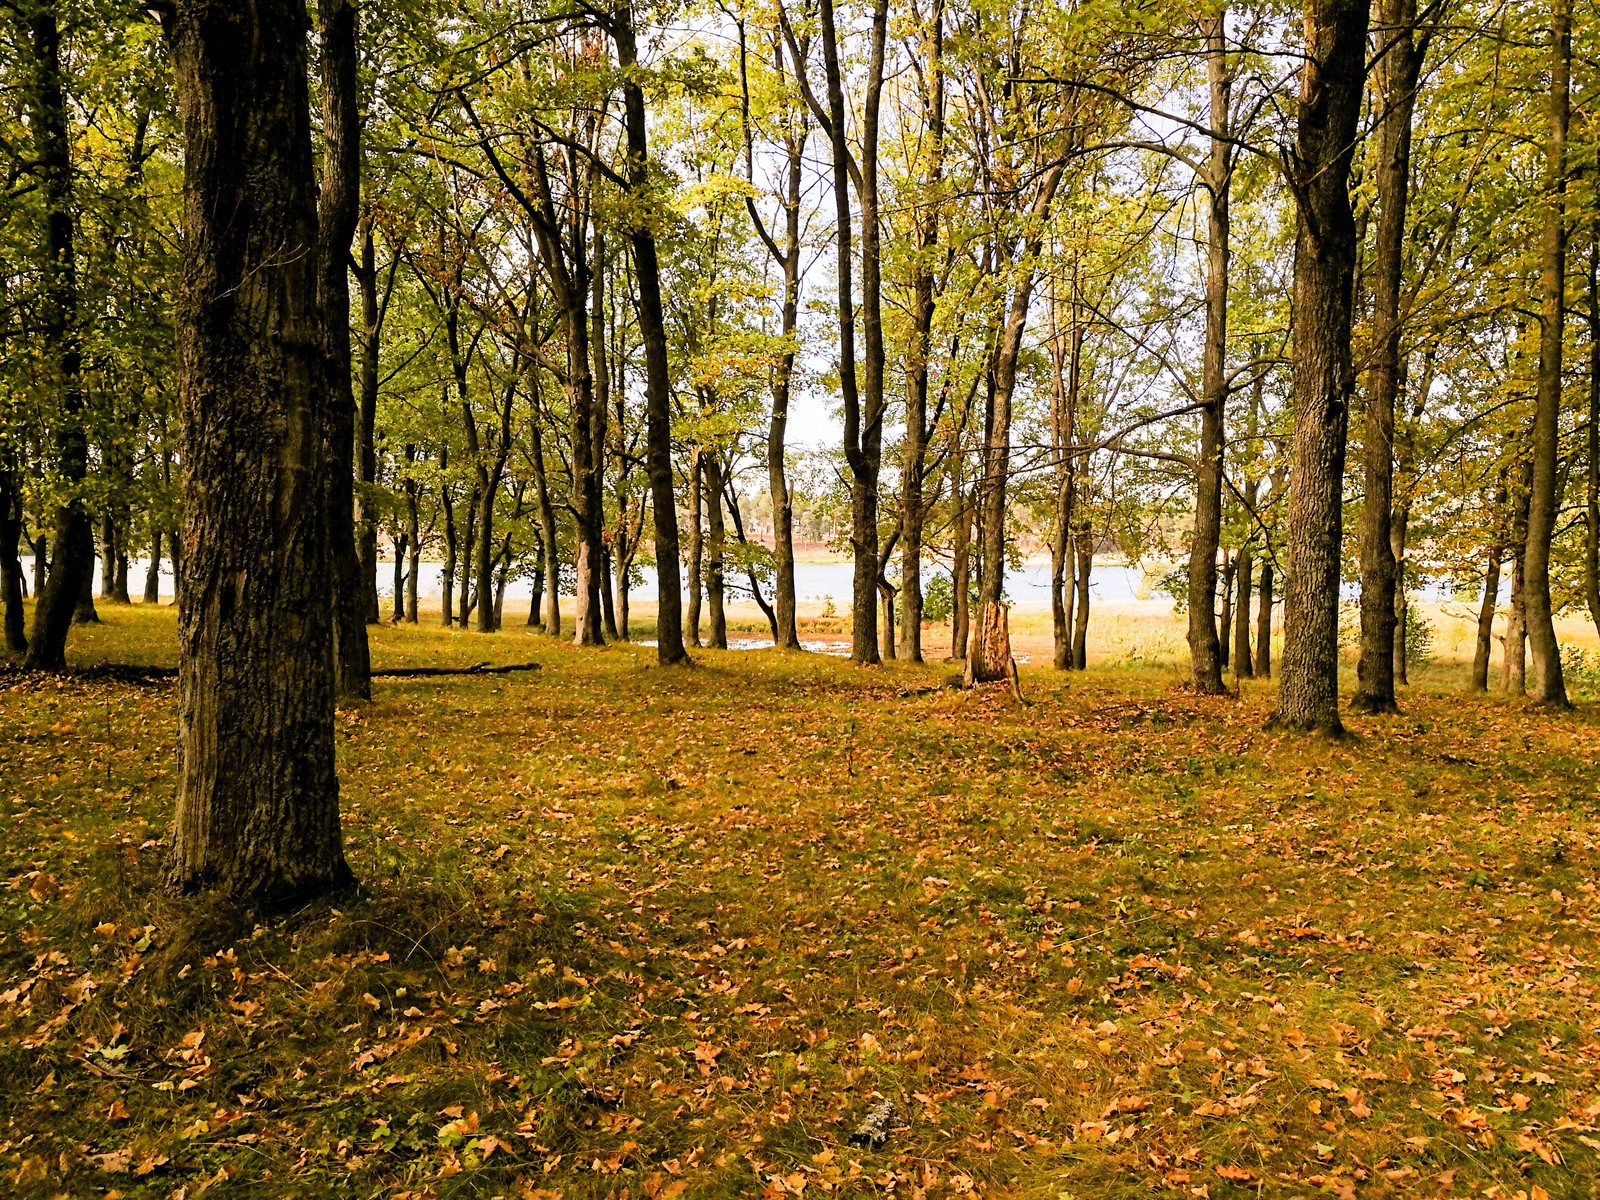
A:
[640, 932]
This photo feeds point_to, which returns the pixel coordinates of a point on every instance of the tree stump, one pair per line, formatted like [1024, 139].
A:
[989, 657]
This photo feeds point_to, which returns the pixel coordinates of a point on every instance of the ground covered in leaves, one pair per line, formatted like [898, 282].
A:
[635, 932]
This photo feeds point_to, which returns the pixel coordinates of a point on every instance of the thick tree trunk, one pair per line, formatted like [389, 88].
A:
[658, 384]
[58, 601]
[337, 210]
[1208, 653]
[258, 800]
[1398, 70]
[1548, 686]
[1331, 85]
[1486, 613]
[84, 613]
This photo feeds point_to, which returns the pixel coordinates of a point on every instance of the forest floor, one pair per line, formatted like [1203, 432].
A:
[639, 932]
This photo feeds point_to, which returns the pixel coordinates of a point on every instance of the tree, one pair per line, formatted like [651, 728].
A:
[1324, 269]
[258, 801]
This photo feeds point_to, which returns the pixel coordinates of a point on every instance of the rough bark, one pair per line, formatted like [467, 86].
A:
[1331, 85]
[258, 800]
[653, 337]
[337, 210]
[1397, 73]
[72, 568]
[1208, 652]
[1548, 686]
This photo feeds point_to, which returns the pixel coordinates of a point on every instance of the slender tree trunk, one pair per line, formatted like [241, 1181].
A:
[413, 552]
[691, 616]
[258, 799]
[717, 543]
[1065, 380]
[1332, 80]
[447, 573]
[1548, 684]
[152, 575]
[653, 337]
[1591, 457]
[16, 639]
[1208, 653]
[399, 586]
[469, 545]
[1398, 71]
[1263, 663]
[1080, 623]
[961, 556]
[1514, 658]
[72, 569]
[1398, 529]
[550, 550]
[373, 308]
[337, 211]
[1243, 668]
[1230, 567]
[1486, 612]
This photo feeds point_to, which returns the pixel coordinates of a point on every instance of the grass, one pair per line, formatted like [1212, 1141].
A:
[641, 932]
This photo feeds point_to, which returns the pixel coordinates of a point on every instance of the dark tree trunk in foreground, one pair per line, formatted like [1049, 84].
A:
[1548, 685]
[1398, 71]
[1324, 267]
[152, 575]
[258, 802]
[337, 210]
[72, 568]
[657, 389]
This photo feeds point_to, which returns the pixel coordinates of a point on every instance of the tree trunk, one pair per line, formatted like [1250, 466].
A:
[465, 601]
[960, 554]
[16, 639]
[717, 544]
[400, 543]
[914, 450]
[1225, 616]
[1080, 616]
[58, 600]
[1398, 70]
[1243, 668]
[1263, 662]
[373, 309]
[1548, 684]
[1208, 653]
[337, 210]
[1486, 612]
[413, 552]
[658, 382]
[691, 616]
[258, 799]
[1398, 529]
[1514, 658]
[1591, 457]
[152, 575]
[1332, 80]
[549, 550]
[84, 613]
[447, 572]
